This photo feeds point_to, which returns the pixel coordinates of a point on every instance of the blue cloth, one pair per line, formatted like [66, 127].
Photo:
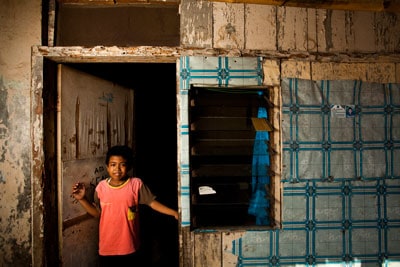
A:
[259, 202]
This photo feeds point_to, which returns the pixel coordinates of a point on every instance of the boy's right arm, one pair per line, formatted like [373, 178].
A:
[79, 193]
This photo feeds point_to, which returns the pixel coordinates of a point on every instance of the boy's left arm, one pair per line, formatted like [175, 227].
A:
[157, 206]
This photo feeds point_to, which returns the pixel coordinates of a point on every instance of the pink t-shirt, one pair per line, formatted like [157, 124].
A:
[119, 220]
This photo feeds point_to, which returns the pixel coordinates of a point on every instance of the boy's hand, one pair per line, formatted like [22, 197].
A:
[78, 191]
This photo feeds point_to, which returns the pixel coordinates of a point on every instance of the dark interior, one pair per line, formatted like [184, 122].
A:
[222, 139]
[156, 151]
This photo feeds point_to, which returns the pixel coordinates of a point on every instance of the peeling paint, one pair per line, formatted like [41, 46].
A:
[15, 190]
[21, 135]
[196, 20]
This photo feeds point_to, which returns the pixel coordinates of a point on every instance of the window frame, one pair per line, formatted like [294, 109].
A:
[274, 191]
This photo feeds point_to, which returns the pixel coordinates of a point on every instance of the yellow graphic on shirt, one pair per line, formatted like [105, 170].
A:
[131, 213]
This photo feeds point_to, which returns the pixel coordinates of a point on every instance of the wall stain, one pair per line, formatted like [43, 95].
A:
[15, 239]
[3, 121]
[328, 30]
[24, 198]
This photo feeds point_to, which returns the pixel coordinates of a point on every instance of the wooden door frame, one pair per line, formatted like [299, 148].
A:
[60, 55]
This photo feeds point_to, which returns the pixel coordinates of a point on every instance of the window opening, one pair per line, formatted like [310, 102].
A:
[229, 157]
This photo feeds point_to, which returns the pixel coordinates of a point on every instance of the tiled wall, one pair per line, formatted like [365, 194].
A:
[341, 174]
[210, 71]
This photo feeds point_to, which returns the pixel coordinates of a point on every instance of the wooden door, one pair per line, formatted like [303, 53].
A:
[93, 115]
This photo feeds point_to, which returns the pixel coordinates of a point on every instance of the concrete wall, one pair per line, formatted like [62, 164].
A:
[366, 43]
[20, 28]
[318, 45]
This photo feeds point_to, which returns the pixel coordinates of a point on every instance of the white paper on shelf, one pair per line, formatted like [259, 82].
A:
[206, 190]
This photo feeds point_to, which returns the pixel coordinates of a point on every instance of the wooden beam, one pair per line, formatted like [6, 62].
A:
[355, 5]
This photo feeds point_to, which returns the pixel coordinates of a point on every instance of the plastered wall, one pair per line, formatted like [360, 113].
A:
[295, 42]
[20, 29]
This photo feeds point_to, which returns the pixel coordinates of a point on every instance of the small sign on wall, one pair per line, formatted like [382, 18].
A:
[350, 111]
[342, 111]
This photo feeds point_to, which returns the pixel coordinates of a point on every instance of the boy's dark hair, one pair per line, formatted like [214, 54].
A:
[123, 151]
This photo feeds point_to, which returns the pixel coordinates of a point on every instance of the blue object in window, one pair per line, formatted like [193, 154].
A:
[259, 202]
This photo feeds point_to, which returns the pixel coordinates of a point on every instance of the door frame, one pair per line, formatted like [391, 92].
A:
[39, 156]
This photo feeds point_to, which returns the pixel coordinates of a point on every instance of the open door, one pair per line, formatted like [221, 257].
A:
[93, 115]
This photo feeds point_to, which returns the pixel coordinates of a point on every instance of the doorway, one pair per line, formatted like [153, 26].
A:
[155, 148]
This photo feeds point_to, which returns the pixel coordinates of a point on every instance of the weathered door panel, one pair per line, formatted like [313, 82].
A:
[94, 114]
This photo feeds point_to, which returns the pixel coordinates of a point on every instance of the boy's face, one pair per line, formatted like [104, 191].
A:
[117, 167]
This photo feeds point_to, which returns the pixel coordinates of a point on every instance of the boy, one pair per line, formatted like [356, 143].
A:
[117, 200]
